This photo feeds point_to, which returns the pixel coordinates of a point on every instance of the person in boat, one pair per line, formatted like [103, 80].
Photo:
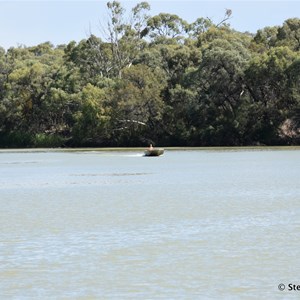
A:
[150, 147]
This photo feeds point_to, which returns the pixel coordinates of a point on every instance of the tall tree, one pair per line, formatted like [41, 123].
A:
[125, 38]
[289, 34]
[137, 104]
[267, 82]
[165, 28]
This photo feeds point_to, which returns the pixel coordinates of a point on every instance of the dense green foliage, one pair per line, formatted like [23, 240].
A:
[155, 80]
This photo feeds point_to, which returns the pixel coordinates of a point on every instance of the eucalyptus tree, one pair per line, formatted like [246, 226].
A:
[289, 34]
[126, 37]
[289, 130]
[92, 58]
[167, 28]
[293, 80]
[265, 39]
[176, 62]
[3, 79]
[4, 70]
[220, 84]
[29, 89]
[12, 102]
[122, 41]
[92, 120]
[137, 105]
[267, 83]
[198, 27]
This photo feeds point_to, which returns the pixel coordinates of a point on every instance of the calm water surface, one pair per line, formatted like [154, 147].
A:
[116, 225]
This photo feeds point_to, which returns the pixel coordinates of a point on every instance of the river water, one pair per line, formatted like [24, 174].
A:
[116, 225]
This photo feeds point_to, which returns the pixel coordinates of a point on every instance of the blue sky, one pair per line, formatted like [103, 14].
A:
[32, 22]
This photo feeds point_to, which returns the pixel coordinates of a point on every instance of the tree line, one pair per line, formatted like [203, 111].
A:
[154, 79]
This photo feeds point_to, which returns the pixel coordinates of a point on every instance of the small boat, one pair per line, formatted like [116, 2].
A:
[154, 152]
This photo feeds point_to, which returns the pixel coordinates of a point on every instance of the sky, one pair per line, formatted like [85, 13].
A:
[30, 23]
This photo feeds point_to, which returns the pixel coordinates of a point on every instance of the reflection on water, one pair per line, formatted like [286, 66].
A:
[190, 224]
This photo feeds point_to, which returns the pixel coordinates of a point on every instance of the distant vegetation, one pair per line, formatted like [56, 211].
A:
[155, 80]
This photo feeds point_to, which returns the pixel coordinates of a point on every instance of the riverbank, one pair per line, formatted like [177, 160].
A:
[117, 149]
